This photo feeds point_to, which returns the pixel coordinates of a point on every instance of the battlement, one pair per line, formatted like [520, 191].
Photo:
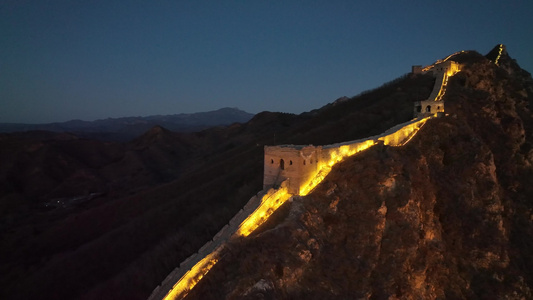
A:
[416, 69]
[299, 165]
[296, 170]
[303, 167]
[448, 67]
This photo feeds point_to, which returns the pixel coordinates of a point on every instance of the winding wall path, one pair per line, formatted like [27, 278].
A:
[182, 279]
[179, 282]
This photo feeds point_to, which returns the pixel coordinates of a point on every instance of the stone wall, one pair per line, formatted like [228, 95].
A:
[300, 165]
[290, 170]
[255, 212]
[434, 104]
[296, 163]
[211, 248]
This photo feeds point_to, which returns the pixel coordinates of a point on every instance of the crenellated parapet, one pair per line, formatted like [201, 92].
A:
[303, 167]
[295, 170]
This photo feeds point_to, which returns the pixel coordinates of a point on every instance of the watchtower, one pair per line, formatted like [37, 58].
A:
[434, 104]
[296, 163]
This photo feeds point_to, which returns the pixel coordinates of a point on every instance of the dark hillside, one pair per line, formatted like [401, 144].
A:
[168, 193]
[226, 180]
[448, 216]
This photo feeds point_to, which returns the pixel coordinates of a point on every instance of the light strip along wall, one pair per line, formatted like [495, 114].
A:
[332, 154]
[500, 50]
[274, 198]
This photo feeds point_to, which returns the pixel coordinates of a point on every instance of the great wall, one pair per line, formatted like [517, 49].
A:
[295, 170]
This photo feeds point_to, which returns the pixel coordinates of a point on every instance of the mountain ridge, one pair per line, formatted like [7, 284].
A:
[218, 169]
[446, 216]
[123, 246]
[126, 128]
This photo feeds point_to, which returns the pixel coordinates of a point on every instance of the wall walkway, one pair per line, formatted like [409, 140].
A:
[442, 71]
[257, 210]
[183, 278]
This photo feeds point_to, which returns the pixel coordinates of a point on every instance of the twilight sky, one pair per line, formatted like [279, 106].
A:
[63, 60]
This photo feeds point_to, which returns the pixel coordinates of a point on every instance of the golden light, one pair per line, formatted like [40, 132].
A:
[274, 198]
[500, 50]
[335, 156]
[195, 274]
[427, 68]
[269, 204]
[410, 134]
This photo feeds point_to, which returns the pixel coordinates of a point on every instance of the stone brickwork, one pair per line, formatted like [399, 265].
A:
[296, 163]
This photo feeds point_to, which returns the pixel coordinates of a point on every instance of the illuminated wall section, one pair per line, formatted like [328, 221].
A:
[440, 61]
[198, 265]
[500, 50]
[328, 157]
[442, 72]
[403, 135]
[194, 275]
[293, 170]
[325, 157]
[269, 203]
[332, 154]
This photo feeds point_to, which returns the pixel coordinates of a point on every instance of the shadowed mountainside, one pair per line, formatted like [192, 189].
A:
[446, 216]
[172, 192]
[81, 250]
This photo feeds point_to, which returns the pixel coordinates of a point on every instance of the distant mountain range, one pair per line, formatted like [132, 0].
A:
[127, 128]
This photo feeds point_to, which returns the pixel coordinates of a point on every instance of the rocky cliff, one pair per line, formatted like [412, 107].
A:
[448, 215]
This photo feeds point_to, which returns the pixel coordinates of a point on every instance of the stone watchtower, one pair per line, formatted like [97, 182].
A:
[296, 163]
[416, 70]
[434, 104]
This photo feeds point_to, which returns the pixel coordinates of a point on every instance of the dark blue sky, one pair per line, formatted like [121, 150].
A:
[63, 60]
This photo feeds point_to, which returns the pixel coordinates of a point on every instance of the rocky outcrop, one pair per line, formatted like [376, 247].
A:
[448, 215]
